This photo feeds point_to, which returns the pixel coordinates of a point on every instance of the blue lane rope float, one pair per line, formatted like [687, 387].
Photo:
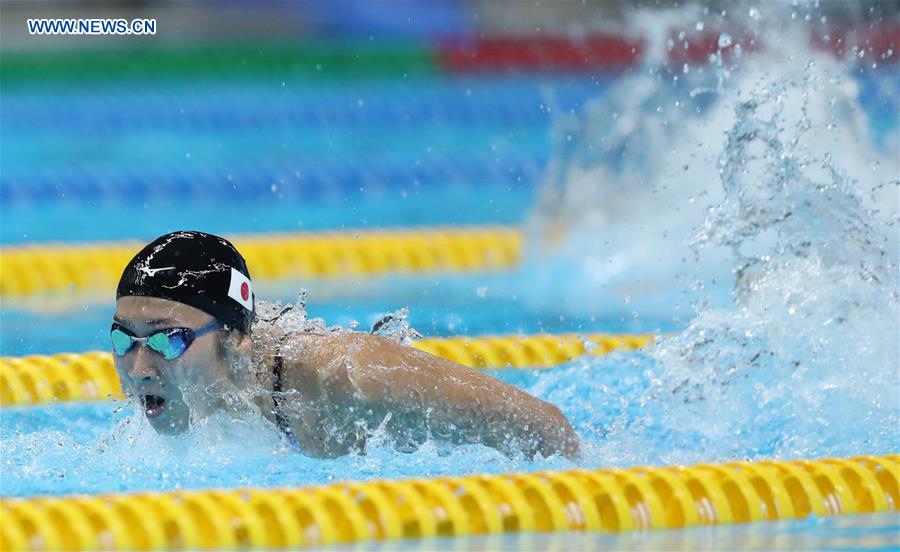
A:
[506, 103]
[291, 180]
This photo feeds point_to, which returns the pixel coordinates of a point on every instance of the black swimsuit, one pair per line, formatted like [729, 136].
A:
[280, 419]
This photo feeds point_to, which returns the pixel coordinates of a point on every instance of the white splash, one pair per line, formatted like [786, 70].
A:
[633, 174]
[803, 358]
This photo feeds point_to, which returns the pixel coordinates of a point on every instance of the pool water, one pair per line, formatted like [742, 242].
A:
[872, 532]
[773, 281]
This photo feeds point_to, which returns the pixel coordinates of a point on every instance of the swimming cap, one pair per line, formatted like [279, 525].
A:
[197, 269]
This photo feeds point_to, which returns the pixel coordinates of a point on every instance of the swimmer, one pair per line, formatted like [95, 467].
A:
[185, 343]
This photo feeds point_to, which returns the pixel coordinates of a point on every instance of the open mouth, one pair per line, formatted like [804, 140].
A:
[153, 405]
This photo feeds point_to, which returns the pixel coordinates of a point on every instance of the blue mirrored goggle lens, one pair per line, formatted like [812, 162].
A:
[169, 343]
[121, 342]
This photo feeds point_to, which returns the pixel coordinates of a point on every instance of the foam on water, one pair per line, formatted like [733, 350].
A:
[81, 453]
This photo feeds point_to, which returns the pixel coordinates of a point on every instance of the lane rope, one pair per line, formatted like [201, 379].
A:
[90, 376]
[314, 108]
[33, 269]
[608, 500]
[327, 180]
[344, 59]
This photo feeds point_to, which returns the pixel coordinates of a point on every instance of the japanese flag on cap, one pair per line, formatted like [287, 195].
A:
[240, 289]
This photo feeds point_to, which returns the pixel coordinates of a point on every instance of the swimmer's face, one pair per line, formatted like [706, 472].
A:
[170, 390]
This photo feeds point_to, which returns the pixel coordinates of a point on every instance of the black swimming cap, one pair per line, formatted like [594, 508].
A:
[197, 269]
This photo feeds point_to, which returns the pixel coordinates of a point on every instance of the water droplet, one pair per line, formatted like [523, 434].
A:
[724, 40]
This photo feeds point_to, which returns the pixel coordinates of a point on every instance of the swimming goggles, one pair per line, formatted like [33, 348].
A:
[171, 343]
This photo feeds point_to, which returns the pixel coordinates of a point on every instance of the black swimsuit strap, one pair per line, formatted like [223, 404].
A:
[280, 418]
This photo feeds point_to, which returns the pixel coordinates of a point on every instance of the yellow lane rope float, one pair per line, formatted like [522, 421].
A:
[91, 376]
[610, 500]
[47, 268]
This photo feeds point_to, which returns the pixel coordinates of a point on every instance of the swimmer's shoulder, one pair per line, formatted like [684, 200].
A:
[331, 349]
[349, 363]
[352, 366]
[313, 362]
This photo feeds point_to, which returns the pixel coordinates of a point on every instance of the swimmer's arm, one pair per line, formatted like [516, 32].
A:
[457, 400]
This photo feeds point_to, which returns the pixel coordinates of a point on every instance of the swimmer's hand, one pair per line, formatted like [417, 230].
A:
[455, 402]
